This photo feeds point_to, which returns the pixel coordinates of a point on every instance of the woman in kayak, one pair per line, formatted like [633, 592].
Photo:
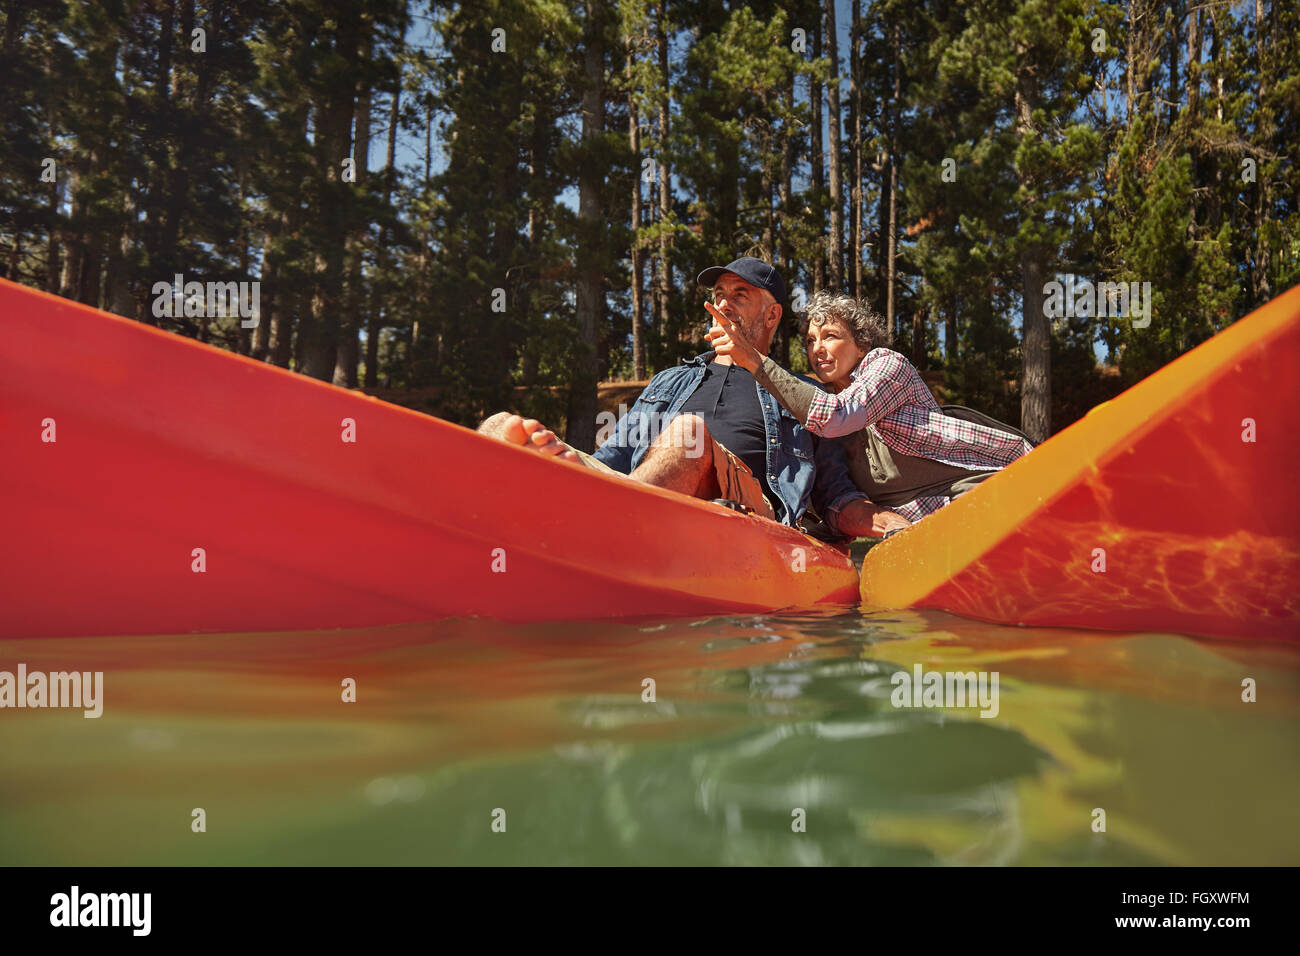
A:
[905, 452]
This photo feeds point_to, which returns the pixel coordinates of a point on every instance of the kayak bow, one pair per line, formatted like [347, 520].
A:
[156, 485]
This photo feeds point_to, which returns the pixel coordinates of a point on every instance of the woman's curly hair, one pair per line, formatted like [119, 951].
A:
[868, 329]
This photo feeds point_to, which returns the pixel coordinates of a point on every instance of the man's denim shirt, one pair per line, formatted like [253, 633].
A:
[800, 467]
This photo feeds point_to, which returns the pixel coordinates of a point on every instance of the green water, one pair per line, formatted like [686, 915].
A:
[755, 718]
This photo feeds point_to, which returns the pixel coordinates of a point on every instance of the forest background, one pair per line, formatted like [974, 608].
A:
[466, 207]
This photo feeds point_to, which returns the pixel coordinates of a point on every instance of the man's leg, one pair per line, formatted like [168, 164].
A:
[684, 458]
[681, 459]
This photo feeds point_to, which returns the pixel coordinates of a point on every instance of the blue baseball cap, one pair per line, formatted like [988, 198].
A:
[756, 272]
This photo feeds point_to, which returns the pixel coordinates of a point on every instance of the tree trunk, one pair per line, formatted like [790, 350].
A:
[785, 194]
[1262, 286]
[1173, 60]
[818, 172]
[835, 249]
[243, 235]
[1139, 48]
[281, 309]
[855, 149]
[950, 335]
[374, 323]
[1036, 353]
[92, 270]
[581, 428]
[1193, 111]
[428, 145]
[319, 350]
[920, 356]
[161, 258]
[120, 297]
[53, 250]
[178, 179]
[10, 271]
[634, 143]
[53, 256]
[891, 241]
[285, 296]
[539, 196]
[74, 252]
[333, 141]
[260, 347]
[727, 207]
[665, 185]
[349, 351]
[1036, 345]
[1131, 58]
[766, 187]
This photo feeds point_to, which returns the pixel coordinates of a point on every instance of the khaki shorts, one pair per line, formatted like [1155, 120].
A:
[735, 479]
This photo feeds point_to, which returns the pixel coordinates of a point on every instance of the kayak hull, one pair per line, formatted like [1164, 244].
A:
[186, 489]
[1172, 507]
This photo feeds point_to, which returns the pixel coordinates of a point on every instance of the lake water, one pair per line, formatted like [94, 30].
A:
[761, 725]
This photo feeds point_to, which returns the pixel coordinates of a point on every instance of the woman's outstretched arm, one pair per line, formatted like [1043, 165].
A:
[790, 390]
[879, 388]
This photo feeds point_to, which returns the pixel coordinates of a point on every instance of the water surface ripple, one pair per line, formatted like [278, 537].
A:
[758, 723]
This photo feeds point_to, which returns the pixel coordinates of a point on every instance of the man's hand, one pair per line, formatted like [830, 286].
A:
[728, 339]
[883, 522]
[864, 520]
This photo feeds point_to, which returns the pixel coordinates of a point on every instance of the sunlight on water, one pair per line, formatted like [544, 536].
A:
[754, 718]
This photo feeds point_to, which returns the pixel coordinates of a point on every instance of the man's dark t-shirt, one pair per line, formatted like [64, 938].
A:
[727, 400]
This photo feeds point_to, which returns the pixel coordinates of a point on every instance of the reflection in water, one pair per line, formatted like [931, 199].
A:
[760, 726]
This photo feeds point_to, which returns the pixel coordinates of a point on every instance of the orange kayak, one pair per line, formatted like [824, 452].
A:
[1173, 507]
[155, 485]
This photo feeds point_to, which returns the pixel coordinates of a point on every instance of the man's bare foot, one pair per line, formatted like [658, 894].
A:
[533, 435]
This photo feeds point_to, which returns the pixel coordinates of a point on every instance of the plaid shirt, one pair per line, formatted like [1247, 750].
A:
[888, 396]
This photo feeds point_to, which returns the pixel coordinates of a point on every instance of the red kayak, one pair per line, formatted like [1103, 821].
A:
[155, 485]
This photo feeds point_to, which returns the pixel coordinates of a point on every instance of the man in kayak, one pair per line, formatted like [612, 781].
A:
[708, 429]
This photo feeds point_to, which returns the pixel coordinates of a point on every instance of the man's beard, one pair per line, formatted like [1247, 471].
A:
[756, 335]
